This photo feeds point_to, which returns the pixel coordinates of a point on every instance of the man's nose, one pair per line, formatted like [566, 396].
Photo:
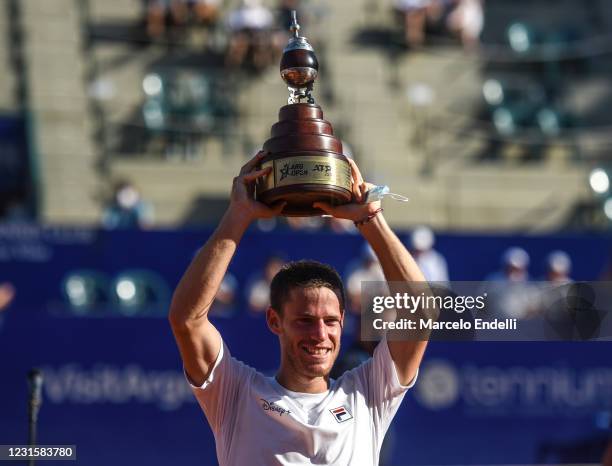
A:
[320, 330]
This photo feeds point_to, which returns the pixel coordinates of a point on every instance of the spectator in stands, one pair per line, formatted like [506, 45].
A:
[514, 265]
[306, 224]
[266, 224]
[225, 299]
[249, 27]
[510, 295]
[162, 14]
[367, 269]
[414, 15]
[7, 293]
[127, 209]
[339, 225]
[314, 223]
[159, 13]
[555, 300]
[466, 21]
[431, 262]
[206, 12]
[558, 268]
[258, 292]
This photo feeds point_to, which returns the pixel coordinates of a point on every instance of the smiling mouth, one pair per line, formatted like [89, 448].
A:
[316, 352]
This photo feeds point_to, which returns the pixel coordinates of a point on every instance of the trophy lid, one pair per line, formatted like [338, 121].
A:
[299, 67]
[296, 42]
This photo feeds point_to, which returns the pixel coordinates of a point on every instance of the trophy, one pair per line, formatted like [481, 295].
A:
[306, 158]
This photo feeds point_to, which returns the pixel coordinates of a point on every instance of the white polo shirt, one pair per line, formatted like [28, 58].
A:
[257, 422]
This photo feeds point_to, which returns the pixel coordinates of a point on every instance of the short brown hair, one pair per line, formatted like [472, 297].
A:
[304, 274]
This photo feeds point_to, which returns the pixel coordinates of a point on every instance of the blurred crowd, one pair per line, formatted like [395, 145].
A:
[255, 34]
[512, 276]
[192, 96]
[162, 15]
[463, 19]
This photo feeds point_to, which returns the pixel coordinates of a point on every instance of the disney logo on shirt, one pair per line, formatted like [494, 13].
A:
[271, 406]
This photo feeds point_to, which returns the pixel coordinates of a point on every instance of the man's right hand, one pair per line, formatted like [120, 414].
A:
[242, 199]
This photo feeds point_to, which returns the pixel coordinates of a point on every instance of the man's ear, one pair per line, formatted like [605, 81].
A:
[342, 318]
[273, 321]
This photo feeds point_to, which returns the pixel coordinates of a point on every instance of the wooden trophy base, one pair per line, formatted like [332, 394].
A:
[307, 163]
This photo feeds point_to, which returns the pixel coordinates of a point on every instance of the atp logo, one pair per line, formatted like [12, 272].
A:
[341, 414]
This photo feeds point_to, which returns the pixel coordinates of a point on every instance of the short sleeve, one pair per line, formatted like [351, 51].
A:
[381, 386]
[383, 362]
[220, 392]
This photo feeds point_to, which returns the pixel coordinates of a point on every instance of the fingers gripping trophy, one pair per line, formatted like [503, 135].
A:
[303, 159]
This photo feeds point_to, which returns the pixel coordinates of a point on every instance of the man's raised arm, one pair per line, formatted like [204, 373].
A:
[198, 340]
[397, 264]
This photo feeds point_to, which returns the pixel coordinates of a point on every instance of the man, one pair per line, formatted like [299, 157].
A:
[558, 268]
[431, 262]
[300, 416]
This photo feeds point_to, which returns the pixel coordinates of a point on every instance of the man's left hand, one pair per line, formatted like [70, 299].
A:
[357, 209]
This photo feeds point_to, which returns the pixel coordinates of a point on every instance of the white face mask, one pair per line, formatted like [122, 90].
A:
[127, 197]
[376, 193]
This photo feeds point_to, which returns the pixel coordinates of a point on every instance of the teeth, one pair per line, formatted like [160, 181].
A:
[316, 351]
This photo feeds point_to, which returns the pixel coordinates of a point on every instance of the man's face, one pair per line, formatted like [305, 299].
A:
[309, 330]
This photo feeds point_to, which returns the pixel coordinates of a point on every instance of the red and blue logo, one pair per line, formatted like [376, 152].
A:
[341, 414]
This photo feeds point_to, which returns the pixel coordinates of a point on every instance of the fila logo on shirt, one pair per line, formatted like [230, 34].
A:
[341, 414]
